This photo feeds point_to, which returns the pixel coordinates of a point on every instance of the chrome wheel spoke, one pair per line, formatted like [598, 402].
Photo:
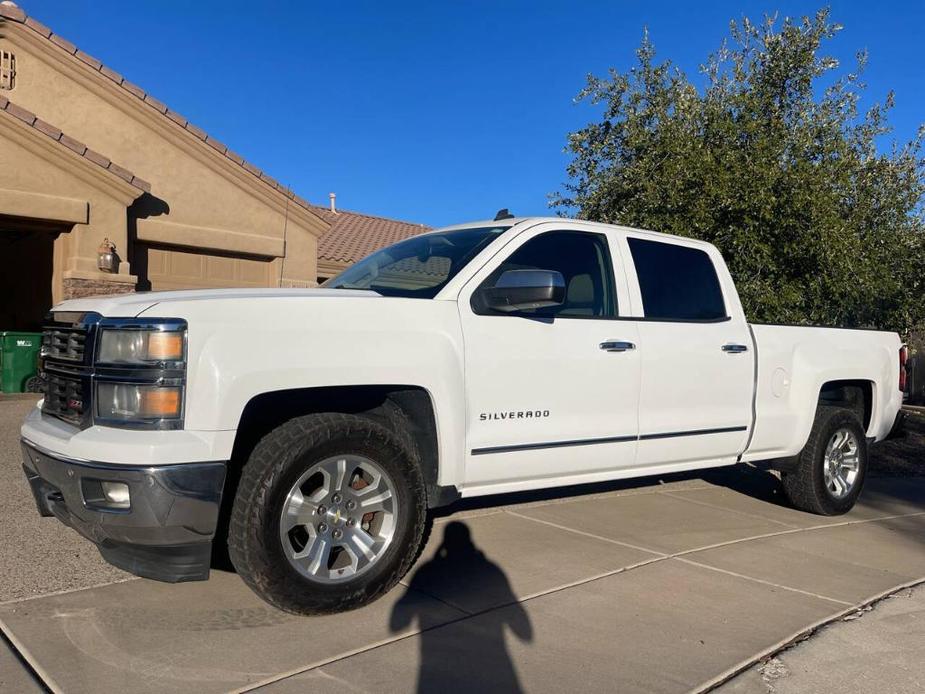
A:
[335, 470]
[850, 464]
[318, 555]
[299, 510]
[840, 485]
[363, 543]
[313, 556]
[845, 441]
[375, 497]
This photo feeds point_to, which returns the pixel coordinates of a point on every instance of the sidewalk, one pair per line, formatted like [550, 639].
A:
[878, 649]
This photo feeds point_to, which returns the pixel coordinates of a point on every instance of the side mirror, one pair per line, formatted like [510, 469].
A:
[520, 290]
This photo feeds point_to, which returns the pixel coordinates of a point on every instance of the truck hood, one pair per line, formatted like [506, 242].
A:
[131, 305]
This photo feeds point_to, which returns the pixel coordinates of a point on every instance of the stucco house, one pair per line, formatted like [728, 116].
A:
[85, 156]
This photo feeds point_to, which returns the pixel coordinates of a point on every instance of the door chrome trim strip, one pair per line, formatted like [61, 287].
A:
[695, 432]
[611, 439]
[551, 444]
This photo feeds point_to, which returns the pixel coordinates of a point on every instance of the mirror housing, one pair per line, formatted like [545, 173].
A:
[520, 290]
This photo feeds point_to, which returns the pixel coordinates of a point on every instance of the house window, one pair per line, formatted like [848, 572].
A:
[7, 70]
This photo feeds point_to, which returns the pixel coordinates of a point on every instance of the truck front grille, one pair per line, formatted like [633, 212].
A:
[67, 344]
[64, 397]
[67, 356]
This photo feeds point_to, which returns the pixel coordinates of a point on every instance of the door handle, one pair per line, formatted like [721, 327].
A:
[734, 349]
[617, 346]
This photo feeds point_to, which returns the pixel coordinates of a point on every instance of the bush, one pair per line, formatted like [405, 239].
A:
[777, 169]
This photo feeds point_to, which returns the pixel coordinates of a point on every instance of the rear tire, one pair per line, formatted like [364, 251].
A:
[302, 535]
[831, 468]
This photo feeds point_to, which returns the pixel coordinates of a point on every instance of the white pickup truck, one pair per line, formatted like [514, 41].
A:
[312, 429]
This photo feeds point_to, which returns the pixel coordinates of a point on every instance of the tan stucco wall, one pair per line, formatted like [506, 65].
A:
[209, 196]
[40, 179]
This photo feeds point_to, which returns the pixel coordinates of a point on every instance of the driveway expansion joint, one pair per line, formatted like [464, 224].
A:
[587, 534]
[35, 670]
[762, 581]
[683, 497]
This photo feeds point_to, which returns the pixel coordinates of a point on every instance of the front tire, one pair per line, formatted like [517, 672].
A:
[329, 514]
[831, 468]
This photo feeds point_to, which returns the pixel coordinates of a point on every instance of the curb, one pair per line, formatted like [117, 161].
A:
[41, 676]
[799, 636]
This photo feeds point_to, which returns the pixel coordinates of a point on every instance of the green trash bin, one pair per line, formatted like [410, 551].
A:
[19, 356]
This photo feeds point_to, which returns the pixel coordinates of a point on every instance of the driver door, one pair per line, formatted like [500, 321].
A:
[548, 400]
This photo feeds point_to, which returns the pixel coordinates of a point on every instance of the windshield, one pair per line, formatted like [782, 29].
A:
[418, 267]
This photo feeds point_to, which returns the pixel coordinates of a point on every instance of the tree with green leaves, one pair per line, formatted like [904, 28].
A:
[770, 160]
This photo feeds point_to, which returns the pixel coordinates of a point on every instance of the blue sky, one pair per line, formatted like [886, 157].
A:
[433, 112]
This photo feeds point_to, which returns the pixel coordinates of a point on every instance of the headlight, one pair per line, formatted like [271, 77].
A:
[140, 346]
[139, 403]
[139, 373]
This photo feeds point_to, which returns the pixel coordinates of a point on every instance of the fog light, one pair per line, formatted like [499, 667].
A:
[116, 494]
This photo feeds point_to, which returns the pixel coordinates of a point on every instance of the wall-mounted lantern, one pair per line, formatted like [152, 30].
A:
[106, 256]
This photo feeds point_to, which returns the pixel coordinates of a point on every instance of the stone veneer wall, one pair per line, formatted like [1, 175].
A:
[75, 288]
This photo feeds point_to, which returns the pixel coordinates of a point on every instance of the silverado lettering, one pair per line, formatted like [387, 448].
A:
[520, 414]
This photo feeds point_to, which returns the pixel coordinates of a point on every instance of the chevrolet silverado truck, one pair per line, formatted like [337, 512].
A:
[307, 432]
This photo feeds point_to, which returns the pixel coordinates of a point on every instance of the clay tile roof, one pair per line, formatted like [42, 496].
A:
[79, 148]
[354, 236]
[15, 14]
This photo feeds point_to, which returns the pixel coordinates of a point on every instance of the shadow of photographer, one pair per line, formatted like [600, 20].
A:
[473, 658]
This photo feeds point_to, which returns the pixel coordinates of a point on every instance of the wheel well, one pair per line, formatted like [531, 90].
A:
[854, 395]
[406, 410]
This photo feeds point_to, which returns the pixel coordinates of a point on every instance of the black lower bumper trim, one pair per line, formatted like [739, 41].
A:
[173, 564]
[165, 534]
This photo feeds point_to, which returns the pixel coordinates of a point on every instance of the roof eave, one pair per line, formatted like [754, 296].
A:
[55, 46]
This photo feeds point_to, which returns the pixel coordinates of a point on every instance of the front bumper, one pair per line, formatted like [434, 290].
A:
[167, 531]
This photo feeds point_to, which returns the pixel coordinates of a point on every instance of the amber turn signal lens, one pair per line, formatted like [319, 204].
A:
[160, 402]
[165, 346]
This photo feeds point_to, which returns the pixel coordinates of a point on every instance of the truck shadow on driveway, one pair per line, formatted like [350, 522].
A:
[474, 659]
[743, 479]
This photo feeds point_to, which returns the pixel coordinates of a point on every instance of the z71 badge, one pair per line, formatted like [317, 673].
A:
[519, 414]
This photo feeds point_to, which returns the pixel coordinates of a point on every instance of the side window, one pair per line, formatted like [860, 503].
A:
[584, 261]
[676, 282]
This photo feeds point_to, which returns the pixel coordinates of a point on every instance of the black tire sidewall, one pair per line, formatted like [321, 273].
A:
[838, 419]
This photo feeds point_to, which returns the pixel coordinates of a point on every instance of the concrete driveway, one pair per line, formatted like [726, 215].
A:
[654, 585]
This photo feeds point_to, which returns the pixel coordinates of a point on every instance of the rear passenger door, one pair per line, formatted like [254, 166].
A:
[697, 364]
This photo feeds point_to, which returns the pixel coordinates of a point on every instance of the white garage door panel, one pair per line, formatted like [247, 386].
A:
[174, 269]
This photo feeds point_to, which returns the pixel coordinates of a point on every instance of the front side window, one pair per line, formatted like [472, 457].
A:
[418, 267]
[676, 282]
[584, 261]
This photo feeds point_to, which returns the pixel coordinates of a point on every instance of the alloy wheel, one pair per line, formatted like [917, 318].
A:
[338, 519]
[841, 463]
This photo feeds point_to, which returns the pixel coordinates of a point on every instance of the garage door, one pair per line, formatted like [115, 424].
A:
[26, 272]
[171, 268]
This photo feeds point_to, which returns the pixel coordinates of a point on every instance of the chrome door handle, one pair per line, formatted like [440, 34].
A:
[617, 346]
[734, 349]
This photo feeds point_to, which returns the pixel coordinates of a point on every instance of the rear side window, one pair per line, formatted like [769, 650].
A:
[677, 282]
